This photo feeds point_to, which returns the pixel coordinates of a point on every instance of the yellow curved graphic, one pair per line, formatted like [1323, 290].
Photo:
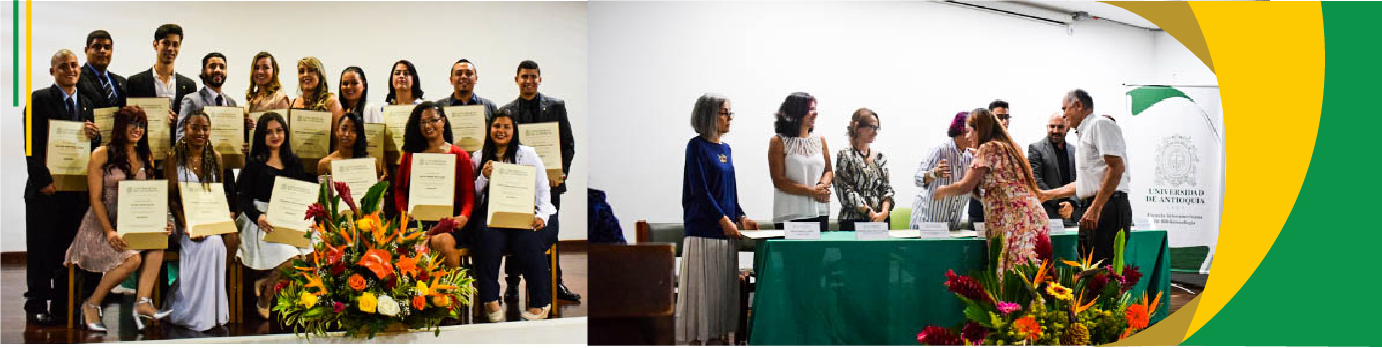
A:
[1269, 58]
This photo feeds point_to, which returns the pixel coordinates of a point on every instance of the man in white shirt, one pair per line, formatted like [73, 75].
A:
[1102, 177]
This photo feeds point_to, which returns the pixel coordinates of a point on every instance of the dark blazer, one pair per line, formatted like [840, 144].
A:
[1041, 155]
[141, 85]
[553, 110]
[48, 105]
[490, 108]
[90, 86]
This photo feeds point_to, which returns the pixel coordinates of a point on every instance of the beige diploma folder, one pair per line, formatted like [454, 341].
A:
[467, 126]
[511, 196]
[142, 214]
[255, 116]
[287, 210]
[228, 134]
[311, 136]
[374, 136]
[359, 174]
[432, 186]
[545, 138]
[156, 109]
[396, 120]
[205, 209]
[105, 121]
[68, 152]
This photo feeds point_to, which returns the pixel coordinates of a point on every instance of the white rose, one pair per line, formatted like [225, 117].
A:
[387, 306]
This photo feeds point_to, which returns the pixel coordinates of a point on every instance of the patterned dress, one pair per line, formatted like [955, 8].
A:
[861, 183]
[1013, 211]
[90, 250]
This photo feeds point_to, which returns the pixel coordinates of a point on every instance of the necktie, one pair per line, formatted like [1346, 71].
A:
[71, 108]
[219, 100]
[110, 90]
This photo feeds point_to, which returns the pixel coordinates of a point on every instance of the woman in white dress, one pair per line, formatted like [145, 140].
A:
[270, 157]
[198, 298]
[799, 163]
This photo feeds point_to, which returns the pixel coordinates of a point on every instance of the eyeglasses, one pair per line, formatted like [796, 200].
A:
[875, 127]
[1003, 116]
[435, 120]
[727, 115]
[141, 125]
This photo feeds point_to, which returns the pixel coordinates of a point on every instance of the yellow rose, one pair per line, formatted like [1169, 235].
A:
[366, 224]
[367, 302]
[307, 300]
[422, 288]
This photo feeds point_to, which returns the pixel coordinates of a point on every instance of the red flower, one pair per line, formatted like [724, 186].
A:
[938, 336]
[967, 287]
[390, 284]
[316, 211]
[974, 333]
[423, 275]
[279, 287]
[1097, 282]
[337, 307]
[1137, 316]
[419, 302]
[1028, 326]
[1130, 276]
[443, 226]
[379, 262]
[344, 192]
[337, 268]
[1043, 247]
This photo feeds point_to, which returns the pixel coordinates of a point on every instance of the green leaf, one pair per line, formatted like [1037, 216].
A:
[370, 202]
[977, 314]
[1119, 242]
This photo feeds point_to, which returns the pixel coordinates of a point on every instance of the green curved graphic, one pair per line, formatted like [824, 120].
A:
[1146, 96]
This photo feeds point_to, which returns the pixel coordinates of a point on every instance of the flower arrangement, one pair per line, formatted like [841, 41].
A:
[366, 275]
[1082, 303]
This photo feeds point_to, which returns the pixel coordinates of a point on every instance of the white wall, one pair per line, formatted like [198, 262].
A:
[372, 35]
[916, 64]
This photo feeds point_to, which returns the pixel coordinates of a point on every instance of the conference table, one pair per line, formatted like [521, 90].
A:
[842, 291]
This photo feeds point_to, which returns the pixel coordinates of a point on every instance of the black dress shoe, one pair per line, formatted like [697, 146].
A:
[42, 318]
[566, 295]
[511, 293]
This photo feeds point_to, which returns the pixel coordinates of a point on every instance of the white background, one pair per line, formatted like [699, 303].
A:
[916, 64]
[372, 35]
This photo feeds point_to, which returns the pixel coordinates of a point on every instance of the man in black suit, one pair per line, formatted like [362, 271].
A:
[98, 85]
[1053, 163]
[534, 107]
[52, 216]
[464, 74]
[161, 80]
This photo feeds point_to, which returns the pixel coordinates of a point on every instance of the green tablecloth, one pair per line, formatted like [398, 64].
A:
[840, 291]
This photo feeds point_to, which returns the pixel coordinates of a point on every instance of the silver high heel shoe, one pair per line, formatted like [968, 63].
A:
[90, 326]
[139, 318]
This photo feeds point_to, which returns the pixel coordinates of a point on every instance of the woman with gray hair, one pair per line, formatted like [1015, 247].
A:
[709, 285]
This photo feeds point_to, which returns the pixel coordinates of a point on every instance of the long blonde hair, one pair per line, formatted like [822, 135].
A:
[987, 129]
[273, 87]
[320, 96]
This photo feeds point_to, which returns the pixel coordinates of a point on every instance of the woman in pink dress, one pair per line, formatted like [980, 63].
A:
[1010, 194]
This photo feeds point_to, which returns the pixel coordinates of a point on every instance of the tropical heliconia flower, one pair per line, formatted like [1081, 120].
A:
[378, 261]
[367, 302]
[1060, 292]
[974, 333]
[967, 287]
[1028, 326]
[344, 191]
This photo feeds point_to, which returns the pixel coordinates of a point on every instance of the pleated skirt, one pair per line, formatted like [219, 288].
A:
[708, 289]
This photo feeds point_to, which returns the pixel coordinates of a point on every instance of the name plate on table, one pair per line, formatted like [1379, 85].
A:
[763, 234]
[228, 134]
[206, 210]
[286, 210]
[933, 230]
[143, 214]
[870, 231]
[156, 109]
[1057, 226]
[979, 230]
[803, 230]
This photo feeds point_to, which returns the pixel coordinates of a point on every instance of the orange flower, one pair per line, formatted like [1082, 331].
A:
[419, 302]
[407, 265]
[1137, 316]
[441, 300]
[1028, 326]
[379, 262]
[313, 281]
[356, 282]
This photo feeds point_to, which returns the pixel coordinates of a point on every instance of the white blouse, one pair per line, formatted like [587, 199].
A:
[542, 202]
[805, 164]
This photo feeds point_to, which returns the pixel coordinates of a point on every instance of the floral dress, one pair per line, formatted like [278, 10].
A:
[1014, 212]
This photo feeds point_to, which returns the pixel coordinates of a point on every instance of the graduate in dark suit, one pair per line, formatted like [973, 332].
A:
[52, 217]
[162, 80]
[100, 86]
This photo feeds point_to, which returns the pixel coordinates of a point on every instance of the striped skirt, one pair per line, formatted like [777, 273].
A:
[708, 289]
